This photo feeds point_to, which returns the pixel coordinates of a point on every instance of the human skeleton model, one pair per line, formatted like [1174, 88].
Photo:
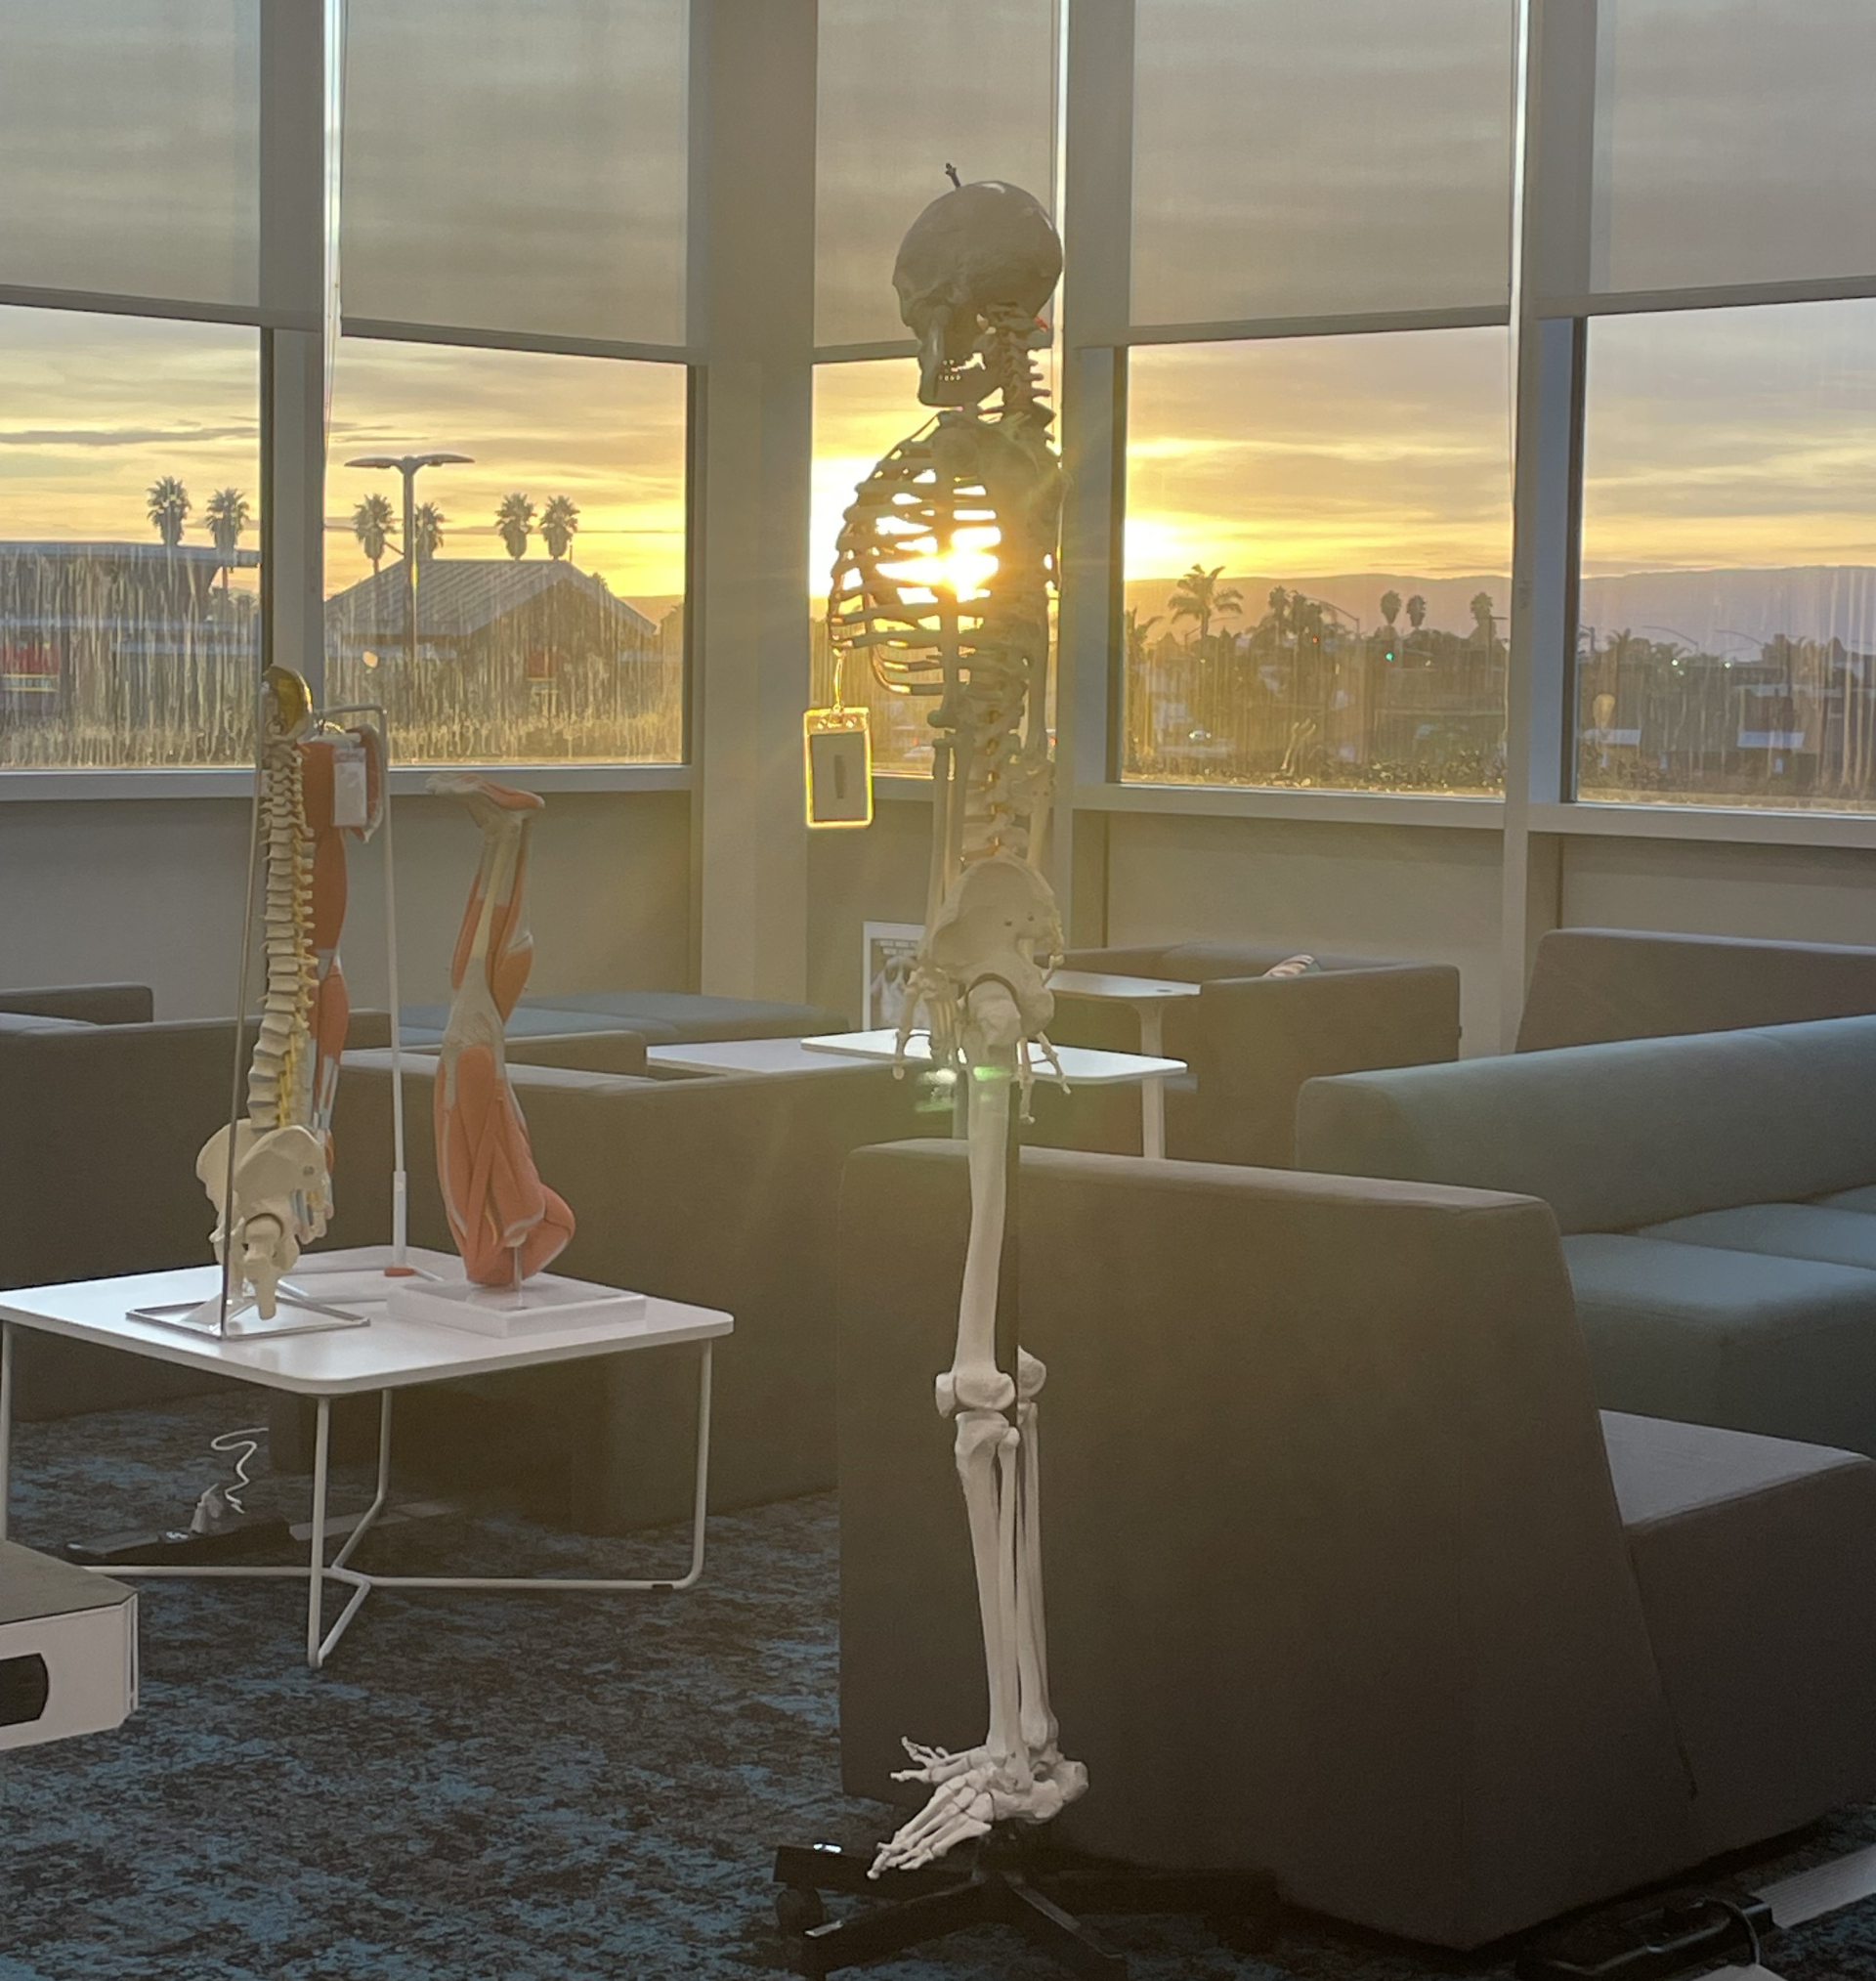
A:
[316, 786]
[941, 580]
[506, 1222]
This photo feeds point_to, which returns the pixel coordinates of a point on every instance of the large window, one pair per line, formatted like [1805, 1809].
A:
[1318, 531]
[1727, 620]
[129, 534]
[546, 568]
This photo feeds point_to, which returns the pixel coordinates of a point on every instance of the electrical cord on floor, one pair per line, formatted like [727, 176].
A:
[219, 1502]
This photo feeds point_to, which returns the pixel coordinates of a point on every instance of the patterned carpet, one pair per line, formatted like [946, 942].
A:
[488, 1788]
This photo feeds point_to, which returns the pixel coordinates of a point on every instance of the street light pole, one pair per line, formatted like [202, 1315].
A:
[408, 465]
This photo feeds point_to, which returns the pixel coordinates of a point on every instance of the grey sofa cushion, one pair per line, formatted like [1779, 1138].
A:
[1863, 1198]
[691, 1016]
[1790, 1230]
[1752, 1555]
[1746, 1340]
[1618, 1135]
[98, 1004]
[1590, 984]
[35, 1021]
[423, 1024]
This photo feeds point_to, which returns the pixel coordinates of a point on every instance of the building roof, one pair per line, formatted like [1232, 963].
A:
[107, 551]
[458, 596]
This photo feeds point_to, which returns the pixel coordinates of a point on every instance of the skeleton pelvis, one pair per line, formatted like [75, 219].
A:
[997, 915]
[279, 1173]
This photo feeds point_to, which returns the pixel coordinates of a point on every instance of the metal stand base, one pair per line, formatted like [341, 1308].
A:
[1008, 1879]
[296, 1313]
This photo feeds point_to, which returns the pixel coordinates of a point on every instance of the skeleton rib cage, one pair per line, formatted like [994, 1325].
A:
[941, 584]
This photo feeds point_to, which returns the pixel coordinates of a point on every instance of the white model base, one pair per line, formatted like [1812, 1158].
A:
[546, 1303]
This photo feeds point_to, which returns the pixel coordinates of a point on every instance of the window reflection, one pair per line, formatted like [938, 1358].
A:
[1317, 537]
[129, 541]
[1727, 615]
[547, 565]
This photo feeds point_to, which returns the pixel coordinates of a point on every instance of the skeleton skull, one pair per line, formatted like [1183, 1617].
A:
[979, 251]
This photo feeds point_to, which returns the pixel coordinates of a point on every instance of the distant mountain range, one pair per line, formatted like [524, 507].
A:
[1713, 610]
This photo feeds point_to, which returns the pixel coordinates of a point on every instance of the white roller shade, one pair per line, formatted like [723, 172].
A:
[130, 147]
[1334, 158]
[515, 168]
[902, 90]
[1734, 143]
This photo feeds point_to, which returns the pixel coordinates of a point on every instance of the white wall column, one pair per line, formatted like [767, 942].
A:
[1097, 309]
[293, 262]
[1553, 255]
[753, 320]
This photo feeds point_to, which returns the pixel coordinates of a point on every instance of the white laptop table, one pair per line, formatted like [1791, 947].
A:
[384, 1355]
[1149, 996]
[1081, 1067]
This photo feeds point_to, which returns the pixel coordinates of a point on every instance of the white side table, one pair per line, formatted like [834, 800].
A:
[1082, 1065]
[387, 1355]
[1149, 996]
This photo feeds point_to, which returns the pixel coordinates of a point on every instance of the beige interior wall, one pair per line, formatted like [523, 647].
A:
[854, 878]
[1799, 893]
[96, 890]
[1400, 893]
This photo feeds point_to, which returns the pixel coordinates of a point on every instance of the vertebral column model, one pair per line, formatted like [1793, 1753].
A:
[506, 1222]
[316, 786]
[942, 581]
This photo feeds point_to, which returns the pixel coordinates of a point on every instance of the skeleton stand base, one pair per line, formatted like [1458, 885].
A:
[1011, 1878]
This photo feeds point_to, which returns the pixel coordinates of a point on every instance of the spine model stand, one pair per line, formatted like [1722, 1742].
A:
[505, 1221]
[942, 583]
[268, 1174]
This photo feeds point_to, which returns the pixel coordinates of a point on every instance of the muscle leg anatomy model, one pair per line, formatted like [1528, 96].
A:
[506, 1222]
[942, 583]
[268, 1174]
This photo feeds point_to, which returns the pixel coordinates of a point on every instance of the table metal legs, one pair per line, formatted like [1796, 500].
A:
[5, 1420]
[1153, 1090]
[318, 1571]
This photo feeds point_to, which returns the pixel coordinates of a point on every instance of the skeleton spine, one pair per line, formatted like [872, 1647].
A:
[280, 1075]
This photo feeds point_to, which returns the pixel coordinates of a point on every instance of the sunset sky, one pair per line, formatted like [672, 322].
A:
[1719, 438]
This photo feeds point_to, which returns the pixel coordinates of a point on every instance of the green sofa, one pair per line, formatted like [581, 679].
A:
[1715, 1195]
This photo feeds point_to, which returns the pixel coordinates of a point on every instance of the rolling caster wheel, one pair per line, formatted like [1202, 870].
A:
[797, 1909]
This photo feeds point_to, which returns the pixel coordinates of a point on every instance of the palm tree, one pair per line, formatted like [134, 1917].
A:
[1279, 603]
[514, 522]
[373, 524]
[168, 507]
[226, 515]
[1137, 629]
[1482, 609]
[426, 530]
[558, 522]
[1391, 606]
[1199, 597]
[1416, 612]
